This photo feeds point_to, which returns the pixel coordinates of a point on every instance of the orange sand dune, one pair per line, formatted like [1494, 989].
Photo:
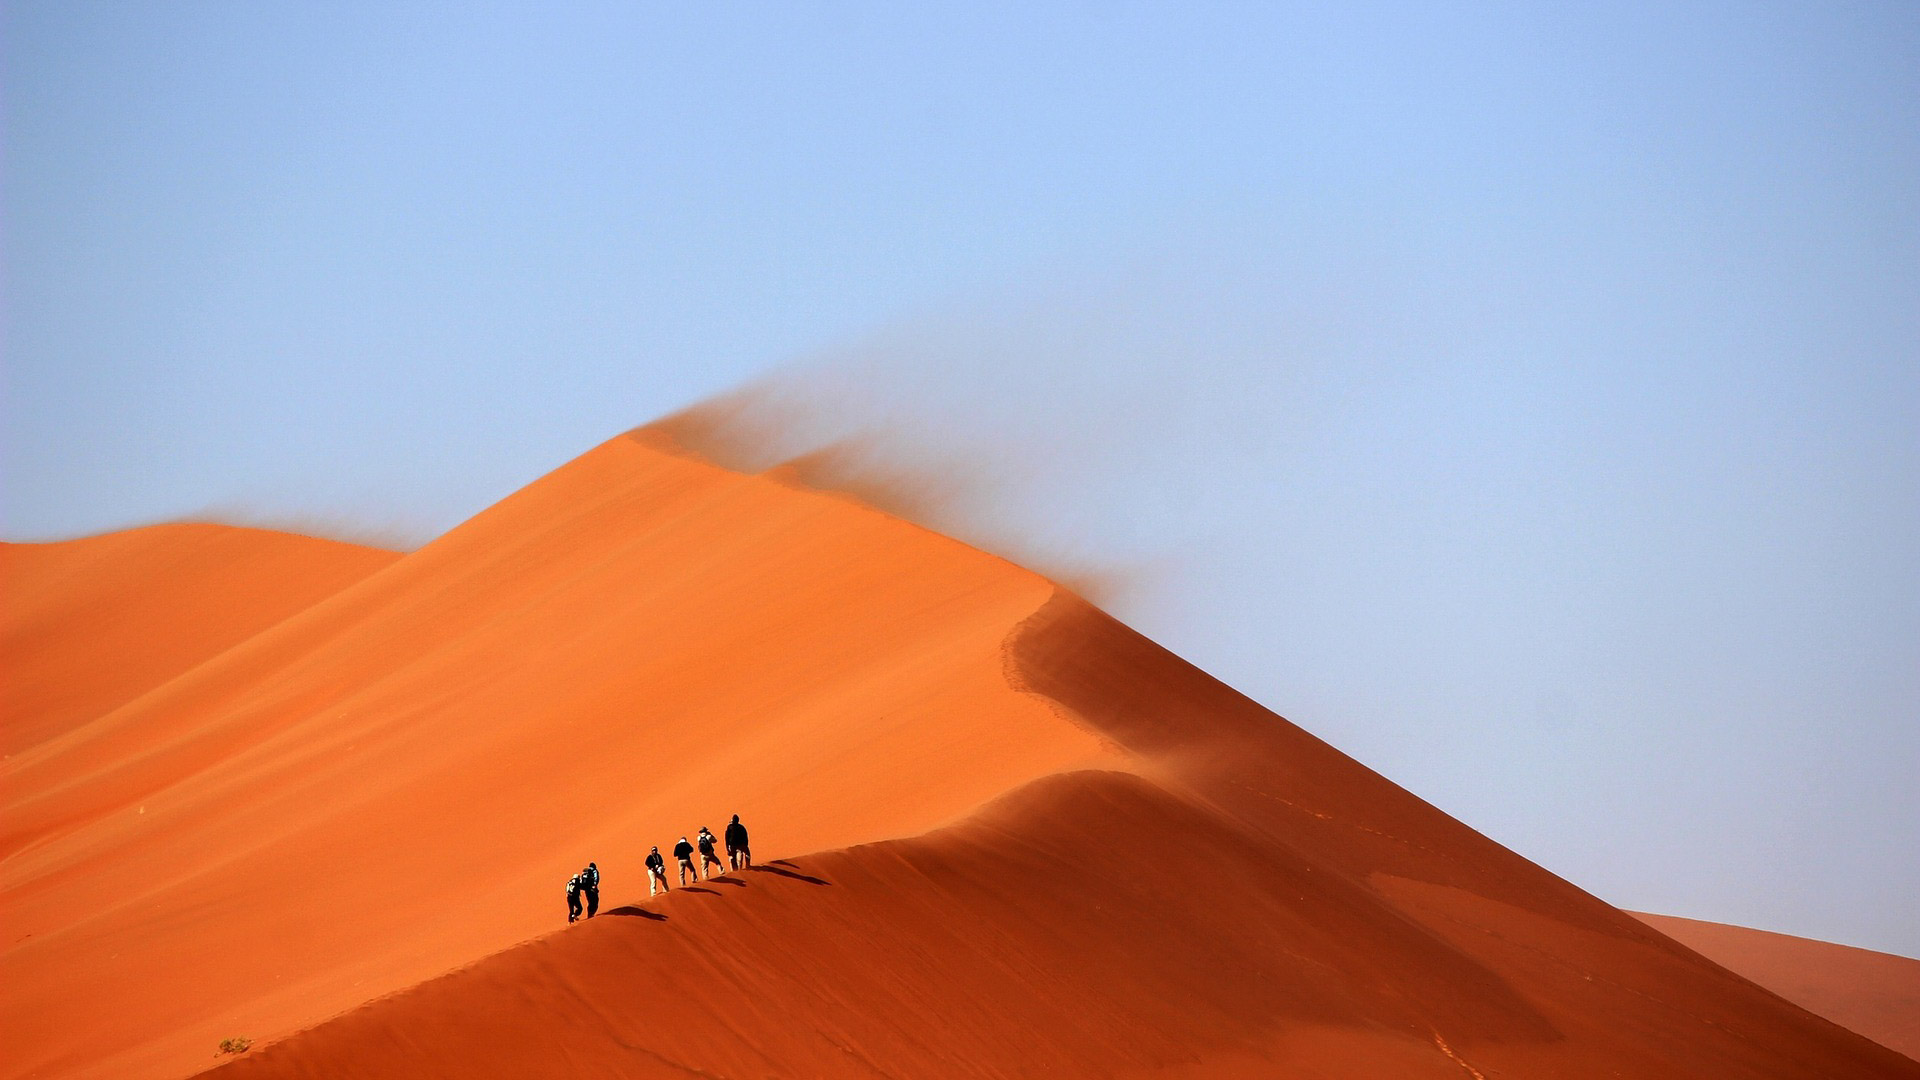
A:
[1874, 993]
[1042, 845]
[399, 779]
[1243, 901]
[89, 625]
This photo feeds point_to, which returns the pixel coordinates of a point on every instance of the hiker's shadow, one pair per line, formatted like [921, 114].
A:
[698, 889]
[776, 868]
[735, 882]
[636, 909]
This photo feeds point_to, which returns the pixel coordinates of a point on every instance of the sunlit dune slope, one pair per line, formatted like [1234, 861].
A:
[1244, 901]
[399, 779]
[89, 625]
[1874, 993]
[1022, 840]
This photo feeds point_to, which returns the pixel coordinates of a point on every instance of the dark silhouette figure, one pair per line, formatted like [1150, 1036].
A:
[684, 852]
[708, 860]
[590, 884]
[574, 887]
[657, 874]
[737, 854]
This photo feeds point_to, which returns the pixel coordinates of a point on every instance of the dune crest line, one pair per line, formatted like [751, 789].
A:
[1042, 845]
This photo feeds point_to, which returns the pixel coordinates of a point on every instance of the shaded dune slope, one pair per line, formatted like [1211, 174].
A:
[89, 625]
[1874, 993]
[398, 779]
[1243, 900]
[1040, 844]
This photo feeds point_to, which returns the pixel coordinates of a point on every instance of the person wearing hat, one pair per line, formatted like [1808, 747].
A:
[708, 860]
[574, 886]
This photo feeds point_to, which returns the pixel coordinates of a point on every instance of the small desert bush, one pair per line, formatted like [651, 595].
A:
[235, 1046]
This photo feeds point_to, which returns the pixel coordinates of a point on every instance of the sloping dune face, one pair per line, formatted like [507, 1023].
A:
[399, 779]
[88, 625]
[1874, 993]
[1241, 901]
[1000, 835]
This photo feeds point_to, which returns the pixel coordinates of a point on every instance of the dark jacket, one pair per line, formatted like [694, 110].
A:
[683, 851]
[574, 885]
[655, 862]
[736, 835]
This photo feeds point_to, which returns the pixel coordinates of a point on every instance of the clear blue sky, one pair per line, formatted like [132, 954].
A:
[1524, 397]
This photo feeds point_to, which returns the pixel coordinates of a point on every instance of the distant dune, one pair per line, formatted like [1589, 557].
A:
[89, 625]
[1874, 993]
[1000, 834]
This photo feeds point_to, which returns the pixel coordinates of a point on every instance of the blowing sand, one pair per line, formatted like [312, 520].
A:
[1014, 838]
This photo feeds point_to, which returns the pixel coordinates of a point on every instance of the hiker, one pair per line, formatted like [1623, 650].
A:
[684, 852]
[708, 860]
[657, 874]
[590, 882]
[737, 844]
[574, 885]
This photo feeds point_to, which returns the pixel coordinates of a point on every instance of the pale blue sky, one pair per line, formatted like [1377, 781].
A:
[1527, 399]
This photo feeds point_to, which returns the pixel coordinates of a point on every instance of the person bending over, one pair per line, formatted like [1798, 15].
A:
[574, 885]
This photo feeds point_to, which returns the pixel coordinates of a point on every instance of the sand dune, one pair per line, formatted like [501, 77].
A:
[1874, 993]
[398, 780]
[89, 625]
[1020, 839]
[1241, 901]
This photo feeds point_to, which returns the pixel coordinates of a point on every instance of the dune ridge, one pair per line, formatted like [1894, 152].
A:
[397, 780]
[1874, 993]
[91, 624]
[1006, 836]
[1245, 900]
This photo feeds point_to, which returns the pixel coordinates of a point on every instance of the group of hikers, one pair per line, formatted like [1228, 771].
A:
[583, 888]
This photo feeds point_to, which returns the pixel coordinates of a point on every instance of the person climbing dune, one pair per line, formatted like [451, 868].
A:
[737, 853]
[590, 885]
[684, 852]
[574, 887]
[657, 874]
[708, 860]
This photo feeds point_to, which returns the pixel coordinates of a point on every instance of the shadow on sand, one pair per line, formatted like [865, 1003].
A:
[776, 868]
[635, 909]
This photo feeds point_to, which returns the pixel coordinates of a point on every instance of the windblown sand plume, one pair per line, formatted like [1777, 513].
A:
[1001, 834]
